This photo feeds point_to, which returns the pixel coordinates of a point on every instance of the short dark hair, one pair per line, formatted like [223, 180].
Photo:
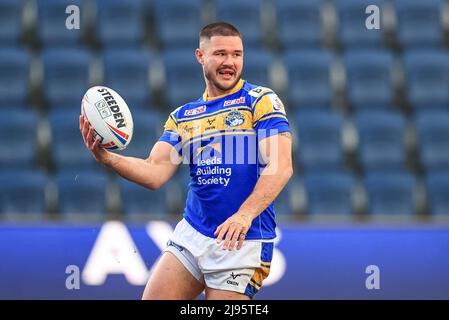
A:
[219, 29]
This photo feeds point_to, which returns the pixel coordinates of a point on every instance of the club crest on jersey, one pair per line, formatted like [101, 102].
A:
[195, 111]
[234, 101]
[234, 119]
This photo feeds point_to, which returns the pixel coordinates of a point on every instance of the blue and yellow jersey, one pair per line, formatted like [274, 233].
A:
[219, 137]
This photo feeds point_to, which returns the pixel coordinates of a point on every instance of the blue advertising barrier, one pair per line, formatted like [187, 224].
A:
[113, 261]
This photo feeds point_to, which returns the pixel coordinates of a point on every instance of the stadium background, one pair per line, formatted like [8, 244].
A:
[369, 110]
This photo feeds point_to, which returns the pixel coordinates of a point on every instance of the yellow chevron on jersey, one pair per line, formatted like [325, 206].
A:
[215, 146]
[219, 136]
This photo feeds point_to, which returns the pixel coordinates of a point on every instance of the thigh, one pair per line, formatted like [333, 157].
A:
[216, 294]
[170, 280]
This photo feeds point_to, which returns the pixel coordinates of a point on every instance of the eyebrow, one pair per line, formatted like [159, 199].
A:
[223, 50]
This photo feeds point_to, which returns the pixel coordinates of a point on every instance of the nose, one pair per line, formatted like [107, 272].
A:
[228, 60]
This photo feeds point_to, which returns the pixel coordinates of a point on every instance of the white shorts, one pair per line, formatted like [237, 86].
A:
[240, 271]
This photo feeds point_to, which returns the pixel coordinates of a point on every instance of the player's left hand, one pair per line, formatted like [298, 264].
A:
[233, 229]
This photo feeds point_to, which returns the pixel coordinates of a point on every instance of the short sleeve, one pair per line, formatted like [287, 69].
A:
[269, 115]
[170, 134]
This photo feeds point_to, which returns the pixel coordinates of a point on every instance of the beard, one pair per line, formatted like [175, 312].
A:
[212, 78]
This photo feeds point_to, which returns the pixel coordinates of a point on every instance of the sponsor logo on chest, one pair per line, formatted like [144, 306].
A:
[234, 101]
[195, 111]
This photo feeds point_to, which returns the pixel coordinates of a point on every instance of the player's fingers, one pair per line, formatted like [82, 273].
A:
[222, 233]
[85, 130]
[229, 235]
[81, 122]
[84, 134]
[96, 143]
[242, 236]
[217, 231]
[89, 138]
[234, 239]
[82, 127]
[90, 141]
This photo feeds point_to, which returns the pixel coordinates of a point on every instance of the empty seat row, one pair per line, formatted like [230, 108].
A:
[380, 138]
[65, 147]
[77, 192]
[388, 192]
[326, 193]
[67, 76]
[176, 23]
[369, 77]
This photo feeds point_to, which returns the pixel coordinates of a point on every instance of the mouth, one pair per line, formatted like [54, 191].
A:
[226, 74]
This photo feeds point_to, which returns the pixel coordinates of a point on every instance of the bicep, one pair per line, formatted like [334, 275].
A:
[164, 156]
[276, 148]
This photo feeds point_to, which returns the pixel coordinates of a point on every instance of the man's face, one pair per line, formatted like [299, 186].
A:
[222, 60]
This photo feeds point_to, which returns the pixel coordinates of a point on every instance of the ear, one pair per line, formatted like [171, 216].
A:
[199, 56]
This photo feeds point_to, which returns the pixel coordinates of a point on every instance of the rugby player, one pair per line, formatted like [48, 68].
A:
[237, 140]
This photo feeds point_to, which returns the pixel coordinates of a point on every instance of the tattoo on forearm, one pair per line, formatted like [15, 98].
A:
[286, 134]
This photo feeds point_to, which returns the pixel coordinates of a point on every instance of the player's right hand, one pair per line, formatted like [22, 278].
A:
[87, 131]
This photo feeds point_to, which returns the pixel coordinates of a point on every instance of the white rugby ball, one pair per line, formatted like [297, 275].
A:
[110, 117]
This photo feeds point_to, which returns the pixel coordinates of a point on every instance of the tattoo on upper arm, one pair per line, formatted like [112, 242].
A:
[286, 134]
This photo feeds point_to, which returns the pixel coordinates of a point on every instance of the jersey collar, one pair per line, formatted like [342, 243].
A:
[236, 88]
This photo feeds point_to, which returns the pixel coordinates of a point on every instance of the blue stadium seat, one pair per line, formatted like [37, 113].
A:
[127, 72]
[427, 78]
[381, 139]
[369, 78]
[137, 200]
[329, 192]
[22, 192]
[51, 24]
[67, 146]
[120, 23]
[437, 186]
[14, 76]
[18, 131]
[81, 192]
[390, 192]
[256, 67]
[308, 78]
[184, 78]
[10, 22]
[418, 23]
[351, 27]
[178, 22]
[299, 23]
[433, 138]
[319, 136]
[245, 16]
[66, 77]
[148, 125]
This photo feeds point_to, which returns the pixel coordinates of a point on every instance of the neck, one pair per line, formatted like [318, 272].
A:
[214, 92]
